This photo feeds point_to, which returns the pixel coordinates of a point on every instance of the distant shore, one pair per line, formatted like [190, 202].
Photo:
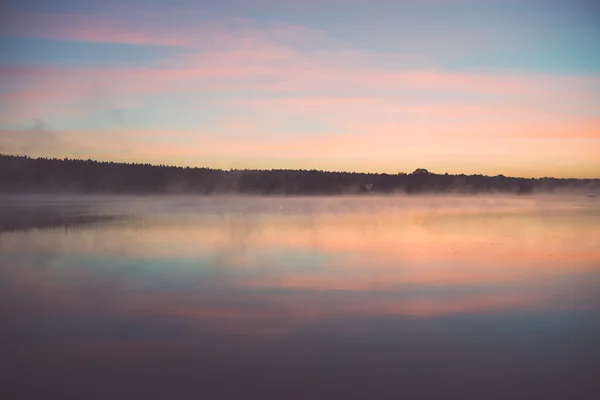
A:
[22, 174]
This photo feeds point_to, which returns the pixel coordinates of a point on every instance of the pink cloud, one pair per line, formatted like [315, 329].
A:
[277, 72]
[238, 56]
[87, 28]
[154, 28]
[265, 87]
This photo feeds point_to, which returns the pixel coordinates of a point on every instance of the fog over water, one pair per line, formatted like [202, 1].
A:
[471, 297]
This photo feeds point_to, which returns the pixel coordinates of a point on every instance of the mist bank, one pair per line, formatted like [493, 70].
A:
[22, 174]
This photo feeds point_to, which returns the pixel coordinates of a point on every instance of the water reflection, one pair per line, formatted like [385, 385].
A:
[306, 298]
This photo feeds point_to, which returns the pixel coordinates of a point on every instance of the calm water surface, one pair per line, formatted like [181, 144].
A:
[299, 298]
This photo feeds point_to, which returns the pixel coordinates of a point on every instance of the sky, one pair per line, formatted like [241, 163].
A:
[459, 86]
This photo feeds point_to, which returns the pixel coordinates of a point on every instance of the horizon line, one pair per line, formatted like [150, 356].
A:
[285, 169]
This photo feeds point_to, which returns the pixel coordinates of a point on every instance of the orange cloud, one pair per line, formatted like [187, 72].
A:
[352, 145]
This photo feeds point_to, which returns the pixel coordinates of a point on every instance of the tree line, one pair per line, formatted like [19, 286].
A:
[25, 174]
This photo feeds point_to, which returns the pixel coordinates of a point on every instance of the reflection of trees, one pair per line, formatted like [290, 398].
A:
[27, 174]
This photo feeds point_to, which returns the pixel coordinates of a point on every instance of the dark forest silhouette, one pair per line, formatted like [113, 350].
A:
[25, 174]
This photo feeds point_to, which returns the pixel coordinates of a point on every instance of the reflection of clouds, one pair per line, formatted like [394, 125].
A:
[213, 300]
[404, 231]
[307, 260]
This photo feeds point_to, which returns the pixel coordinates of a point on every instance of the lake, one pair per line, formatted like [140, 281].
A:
[483, 297]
